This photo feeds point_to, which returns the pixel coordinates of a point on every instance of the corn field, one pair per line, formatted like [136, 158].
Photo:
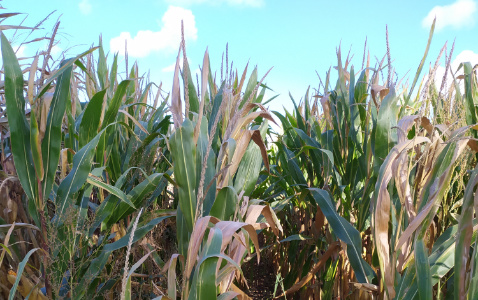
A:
[112, 188]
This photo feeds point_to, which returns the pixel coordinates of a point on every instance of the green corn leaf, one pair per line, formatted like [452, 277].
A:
[225, 204]
[114, 70]
[71, 138]
[132, 87]
[295, 237]
[250, 165]
[51, 144]
[473, 287]
[294, 169]
[251, 84]
[106, 208]
[72, 183]
[320, 157]
[182, 235]
[90, 122]
[407, 288]
[21, 267]
[184, 157]
[19, 128]
[137, 156]
[298, 116]
[441, 259]
[347, 233]
[193, 97]
[357, 96]
[111, 189]
[470, 110]
[137, 196]
[215, 108]
[204, 281]
[36, 146]
[419, 70]
[115, 103]
[384, 135]
[422, 269]
[102, 69]
[201, 147]
[142, 101]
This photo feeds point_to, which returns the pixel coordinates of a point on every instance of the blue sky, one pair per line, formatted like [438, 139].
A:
[297, 38]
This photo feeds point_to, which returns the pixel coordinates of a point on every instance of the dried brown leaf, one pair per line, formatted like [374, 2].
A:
[241, 295]
[195, 241]
[256, 137]
[176, 106]
[432, 198]
[31, 79]
[382, 211]
[229, 228]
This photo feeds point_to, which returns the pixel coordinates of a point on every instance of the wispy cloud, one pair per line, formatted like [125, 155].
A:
[85, 7]
[459, 14]
[167, 38]
[252, 3]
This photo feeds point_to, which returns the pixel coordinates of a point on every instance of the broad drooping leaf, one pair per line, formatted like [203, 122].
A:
[347, 233]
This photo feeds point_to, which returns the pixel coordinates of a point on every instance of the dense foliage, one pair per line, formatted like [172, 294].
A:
[111, 188]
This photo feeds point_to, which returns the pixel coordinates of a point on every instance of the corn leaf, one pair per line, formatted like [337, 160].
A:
[72, 183]
[384, 136]
[36, 146]
[19, 272]
[225, 204]
[250, 165]
[51, 144]
[347, 233]
[90, 122]
[465, 229]
[19, 128]
[184, 156]
[115, 103]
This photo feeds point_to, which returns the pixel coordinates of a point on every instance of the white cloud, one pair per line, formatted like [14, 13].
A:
[85, 7]
[56, 50]
[167, 38]
[20, 52]
[459, 14]
[464, 56]
[169, 68]
[253, 3]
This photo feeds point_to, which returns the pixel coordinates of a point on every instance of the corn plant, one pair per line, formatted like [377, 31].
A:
[101, 181]
[218, 150]
[328, 157]
[353, 149]
[373, 181]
